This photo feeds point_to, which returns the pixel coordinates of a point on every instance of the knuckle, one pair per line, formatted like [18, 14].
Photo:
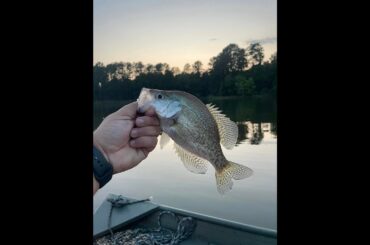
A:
[154, 130]
[152, 121]
[154, 140]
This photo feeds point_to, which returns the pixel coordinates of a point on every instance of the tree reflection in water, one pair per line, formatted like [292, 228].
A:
[255, 132]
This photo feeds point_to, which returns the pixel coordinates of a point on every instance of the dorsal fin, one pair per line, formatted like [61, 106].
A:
[191, 162]
[227, 129]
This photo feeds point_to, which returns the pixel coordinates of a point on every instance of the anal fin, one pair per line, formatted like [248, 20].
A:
[191, 162]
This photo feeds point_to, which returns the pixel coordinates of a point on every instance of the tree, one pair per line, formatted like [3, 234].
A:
[244, 86]
[165, 67]
[162, 68]
[100, 78]
[175, 71]
[150, 68]
[212, 62]
[159, 68]
[115, 70]
[228, 85]
[231, 59]
[255, 53]
[139, 68]
[273, 58]
[226, 76]
[99, 74]
[187, 68]
[128, 71]
[197, 67]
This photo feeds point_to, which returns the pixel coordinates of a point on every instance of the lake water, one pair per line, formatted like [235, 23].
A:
[162, 175]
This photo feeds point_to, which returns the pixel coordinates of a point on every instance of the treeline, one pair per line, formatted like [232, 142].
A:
[233, 72]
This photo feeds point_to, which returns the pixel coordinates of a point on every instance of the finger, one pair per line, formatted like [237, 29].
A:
[128, 110]
[144, 142]
[150, 112]
[146, 121]
[145, 131]
[150, 149]
[146, 151]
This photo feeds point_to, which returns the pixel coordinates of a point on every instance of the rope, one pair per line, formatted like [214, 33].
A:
[118, 202]
[141, 236]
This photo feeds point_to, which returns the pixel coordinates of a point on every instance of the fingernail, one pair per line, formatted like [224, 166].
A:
[133, 142]
[134, 133]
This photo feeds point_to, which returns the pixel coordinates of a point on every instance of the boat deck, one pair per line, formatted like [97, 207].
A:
[209, 230]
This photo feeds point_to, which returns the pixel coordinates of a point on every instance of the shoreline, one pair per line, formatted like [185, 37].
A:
[210, 97]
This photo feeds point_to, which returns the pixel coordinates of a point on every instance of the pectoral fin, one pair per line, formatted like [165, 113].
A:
[191, 162]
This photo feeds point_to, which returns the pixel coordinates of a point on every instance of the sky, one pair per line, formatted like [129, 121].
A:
[179, 31]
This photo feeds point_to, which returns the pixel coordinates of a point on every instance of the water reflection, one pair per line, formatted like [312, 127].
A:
[254, 133]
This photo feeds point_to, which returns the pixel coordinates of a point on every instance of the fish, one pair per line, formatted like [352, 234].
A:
[198, 131]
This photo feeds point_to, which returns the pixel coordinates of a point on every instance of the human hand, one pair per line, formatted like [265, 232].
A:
[126, 139]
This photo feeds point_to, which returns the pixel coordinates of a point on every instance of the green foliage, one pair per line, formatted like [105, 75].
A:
[231, 59]
[245, 86]
[197, 66]
[255, 53]
[227, 76]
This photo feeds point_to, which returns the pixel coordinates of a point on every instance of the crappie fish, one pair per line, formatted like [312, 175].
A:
[197, 130]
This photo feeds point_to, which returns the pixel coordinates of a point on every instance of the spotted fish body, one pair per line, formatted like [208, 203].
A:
[197, 130]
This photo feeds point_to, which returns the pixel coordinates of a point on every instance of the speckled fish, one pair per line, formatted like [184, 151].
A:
[197, 131]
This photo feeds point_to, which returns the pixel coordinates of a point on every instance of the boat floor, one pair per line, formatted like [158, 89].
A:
[209, 230]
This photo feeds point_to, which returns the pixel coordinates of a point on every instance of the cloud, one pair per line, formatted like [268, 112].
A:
[212, 39]
[265, 40]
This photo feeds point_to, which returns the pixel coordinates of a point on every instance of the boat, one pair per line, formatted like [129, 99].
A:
[118, 213]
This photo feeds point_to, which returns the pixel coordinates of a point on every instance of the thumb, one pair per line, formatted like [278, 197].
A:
[128, 110]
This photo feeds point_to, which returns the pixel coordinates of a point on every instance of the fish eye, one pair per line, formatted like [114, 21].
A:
[159, 96]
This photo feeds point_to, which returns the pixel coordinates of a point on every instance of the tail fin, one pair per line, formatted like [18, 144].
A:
[231, 171]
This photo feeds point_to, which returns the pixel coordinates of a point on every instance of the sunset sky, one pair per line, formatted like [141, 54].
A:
[179, 31]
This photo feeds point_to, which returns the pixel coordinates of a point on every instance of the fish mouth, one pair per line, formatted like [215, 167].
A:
[140, 110]
[144, 100]
[142, 107]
